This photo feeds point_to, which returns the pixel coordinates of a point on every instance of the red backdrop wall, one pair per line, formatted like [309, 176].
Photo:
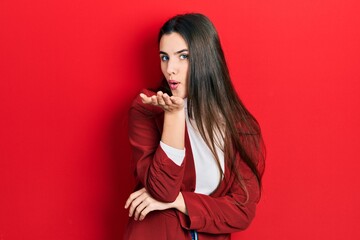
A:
[69, 70]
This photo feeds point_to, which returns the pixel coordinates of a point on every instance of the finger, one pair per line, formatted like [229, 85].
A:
[152, 205]
[167, 99]
[134, 204]
[175, 100]
[154, 100]
[160, 98]
[133, 196]
[145, 211]
[141, 208]
[144, 98]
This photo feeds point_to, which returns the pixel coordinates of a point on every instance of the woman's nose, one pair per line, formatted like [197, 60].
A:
[172, 67]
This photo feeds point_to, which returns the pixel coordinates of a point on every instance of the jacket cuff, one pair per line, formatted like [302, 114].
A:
[195, 218]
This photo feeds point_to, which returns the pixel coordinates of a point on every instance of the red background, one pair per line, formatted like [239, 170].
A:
[69, 70]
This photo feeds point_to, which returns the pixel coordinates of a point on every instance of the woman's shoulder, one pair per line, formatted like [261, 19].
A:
[145, 109]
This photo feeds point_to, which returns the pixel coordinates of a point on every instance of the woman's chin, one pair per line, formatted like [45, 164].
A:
[179, 93]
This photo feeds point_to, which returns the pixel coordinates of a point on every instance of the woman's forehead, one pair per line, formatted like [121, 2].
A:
[172, 43]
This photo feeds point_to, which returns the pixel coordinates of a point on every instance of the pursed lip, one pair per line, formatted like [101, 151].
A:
[173, 81]
[173, 84]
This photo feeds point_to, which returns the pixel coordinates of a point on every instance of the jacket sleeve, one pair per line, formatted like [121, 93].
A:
[223, 214]
[160, 176]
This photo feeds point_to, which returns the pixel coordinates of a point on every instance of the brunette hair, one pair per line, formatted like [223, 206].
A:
[221, 117]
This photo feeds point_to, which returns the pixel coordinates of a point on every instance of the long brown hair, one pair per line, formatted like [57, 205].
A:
[211, 95]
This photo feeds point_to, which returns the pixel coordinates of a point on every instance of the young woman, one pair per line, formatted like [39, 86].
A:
[198, 152]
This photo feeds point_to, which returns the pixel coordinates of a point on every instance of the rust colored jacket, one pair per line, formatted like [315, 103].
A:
[213, 216]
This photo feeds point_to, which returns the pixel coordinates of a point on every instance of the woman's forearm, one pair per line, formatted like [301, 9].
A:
[174, 129]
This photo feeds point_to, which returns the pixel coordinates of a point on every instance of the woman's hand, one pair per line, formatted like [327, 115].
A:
[140, 203]
[163, 100]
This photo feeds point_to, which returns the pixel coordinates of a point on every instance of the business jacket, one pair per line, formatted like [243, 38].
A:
[213, 216]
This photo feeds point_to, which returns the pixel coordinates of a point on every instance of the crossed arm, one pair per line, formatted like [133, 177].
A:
[231, 210]
[140, 203]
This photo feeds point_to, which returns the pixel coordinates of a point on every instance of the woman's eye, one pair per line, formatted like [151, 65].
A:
[184, 56]
[164, 58]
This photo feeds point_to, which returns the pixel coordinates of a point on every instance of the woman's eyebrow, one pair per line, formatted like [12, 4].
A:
[177, 52]
[180, 51]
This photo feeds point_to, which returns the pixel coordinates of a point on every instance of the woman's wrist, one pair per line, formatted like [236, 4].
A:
[179, 204]
[179, 112]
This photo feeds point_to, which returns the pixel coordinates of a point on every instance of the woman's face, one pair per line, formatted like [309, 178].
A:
[174, 54]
